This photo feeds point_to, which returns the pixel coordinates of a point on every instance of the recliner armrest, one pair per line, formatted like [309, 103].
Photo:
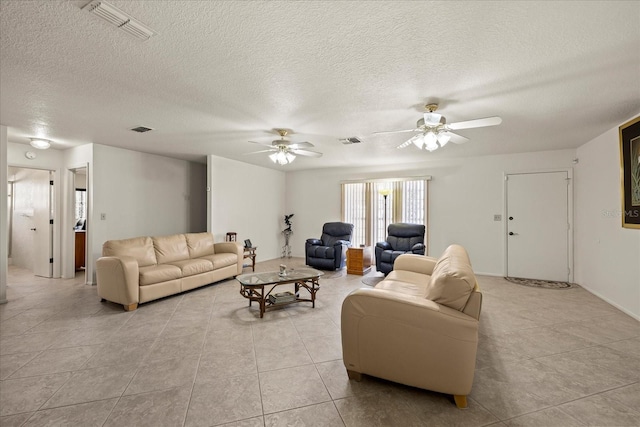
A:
[314, 242]
[383, 245]
[418, 248]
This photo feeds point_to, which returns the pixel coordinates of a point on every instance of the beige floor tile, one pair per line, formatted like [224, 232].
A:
[12, 362]
[283, 355]
[224, 400]
[16, 420]
[177, 372]
[83, 337]
[85, 414]
[28, 394]
[181, 346]
[56, 360]
[365, 411]
[158, 408]
[538, 342]
[115, 353]
[291, 388]
[251, 422]
[600, 410]
[437, 409]
[27, 343]
[545, 418]
[228, 341]
[321, 415]
[226, 365]
[628, 396]
[334, 376]
[324, 348]
[93, 384]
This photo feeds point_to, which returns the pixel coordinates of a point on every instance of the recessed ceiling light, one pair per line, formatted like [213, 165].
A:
[40, 143]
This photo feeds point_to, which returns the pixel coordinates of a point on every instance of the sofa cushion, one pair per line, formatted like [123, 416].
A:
[171, 248]
[452, 280]
[189, 267]
[222, 260]
[405, 282]
[140, 248]
[200, 244]
[159, 273]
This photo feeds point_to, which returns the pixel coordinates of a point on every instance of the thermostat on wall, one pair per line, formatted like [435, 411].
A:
[30, 155]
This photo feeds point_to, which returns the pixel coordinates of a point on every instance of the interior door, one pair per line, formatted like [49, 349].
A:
[538, 226]
[42, 228]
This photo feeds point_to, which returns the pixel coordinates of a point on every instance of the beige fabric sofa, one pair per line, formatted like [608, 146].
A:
[419, 326]
[142, 269]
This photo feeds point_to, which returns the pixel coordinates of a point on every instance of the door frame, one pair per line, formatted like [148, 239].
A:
[69, 269]
[505, 224]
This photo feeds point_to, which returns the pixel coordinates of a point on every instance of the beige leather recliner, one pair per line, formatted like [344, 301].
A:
[417, 327]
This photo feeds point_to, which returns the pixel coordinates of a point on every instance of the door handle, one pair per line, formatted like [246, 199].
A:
[511, 233]
[33, 229]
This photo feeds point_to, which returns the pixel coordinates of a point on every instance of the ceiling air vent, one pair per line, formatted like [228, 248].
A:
[141, 129]
[351, 140]
[116, 17]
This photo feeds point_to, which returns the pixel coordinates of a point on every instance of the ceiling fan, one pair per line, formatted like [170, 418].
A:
[433, 130]
[284, 151]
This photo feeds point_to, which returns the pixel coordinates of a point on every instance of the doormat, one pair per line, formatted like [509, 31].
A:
[537, 283]
[372, 281]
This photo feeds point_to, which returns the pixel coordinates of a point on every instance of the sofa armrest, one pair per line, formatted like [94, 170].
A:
[314, 242]
[416, 263]
[118, 279]
[231, 248]
[388, 334]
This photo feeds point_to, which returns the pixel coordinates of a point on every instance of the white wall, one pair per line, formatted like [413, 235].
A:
[464, 194]
[607, 255]
[3, 208]
[248, 200]
[143, 195]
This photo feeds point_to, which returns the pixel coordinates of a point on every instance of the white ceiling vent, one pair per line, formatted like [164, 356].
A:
[116, 17]
[141, 129]
[350, 140]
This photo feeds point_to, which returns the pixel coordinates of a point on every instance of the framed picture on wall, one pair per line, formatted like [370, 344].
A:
[630, 173]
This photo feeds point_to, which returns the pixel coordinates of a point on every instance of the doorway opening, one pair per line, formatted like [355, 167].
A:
[30, 220]
[80, 223]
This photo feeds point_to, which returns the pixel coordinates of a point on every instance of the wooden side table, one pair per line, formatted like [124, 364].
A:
[359, 260]
[251, 254]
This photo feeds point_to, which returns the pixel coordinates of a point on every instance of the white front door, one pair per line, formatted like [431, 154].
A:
[538, 225]
[42, 228]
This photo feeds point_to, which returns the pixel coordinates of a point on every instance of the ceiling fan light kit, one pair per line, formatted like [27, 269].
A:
[40, 143]
[434, 132]
[283, 151]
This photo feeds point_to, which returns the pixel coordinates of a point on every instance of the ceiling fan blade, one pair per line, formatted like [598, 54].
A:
[457, 139]
[477, 123]
[266, 144]
[306, 153]
[261, 151]
[302, 144]
[396, 131]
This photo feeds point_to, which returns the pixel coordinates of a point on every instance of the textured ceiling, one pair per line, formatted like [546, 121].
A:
[219, 74]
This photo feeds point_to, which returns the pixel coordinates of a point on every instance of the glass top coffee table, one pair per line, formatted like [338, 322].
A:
[252, 287]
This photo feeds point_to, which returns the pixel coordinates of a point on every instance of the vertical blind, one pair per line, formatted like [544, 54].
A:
[363, 205]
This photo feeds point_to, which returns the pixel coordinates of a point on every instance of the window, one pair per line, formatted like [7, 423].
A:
[365, 206]
[81, 204]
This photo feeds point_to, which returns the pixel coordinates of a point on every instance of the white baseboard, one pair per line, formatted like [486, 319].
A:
[479, 273]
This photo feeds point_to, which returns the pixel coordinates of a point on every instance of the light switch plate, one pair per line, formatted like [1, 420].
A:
[497, 217]
[103, 216]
